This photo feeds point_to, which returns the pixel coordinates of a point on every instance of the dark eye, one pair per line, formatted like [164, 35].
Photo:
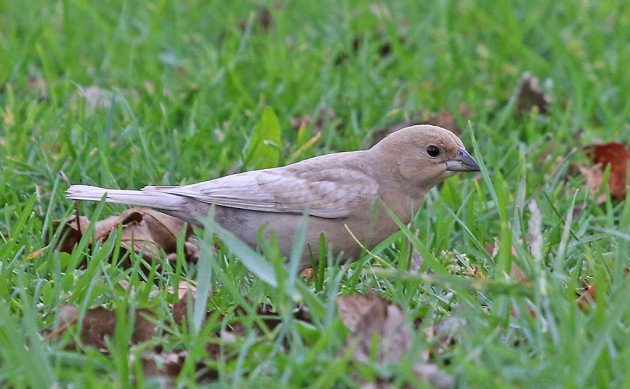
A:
[433, 151]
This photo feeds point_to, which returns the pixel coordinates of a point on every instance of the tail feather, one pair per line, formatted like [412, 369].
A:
[145, 198]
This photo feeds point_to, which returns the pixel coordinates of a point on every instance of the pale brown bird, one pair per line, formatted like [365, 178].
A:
[339, 191]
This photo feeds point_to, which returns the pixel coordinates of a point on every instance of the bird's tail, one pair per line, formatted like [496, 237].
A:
[142, 198]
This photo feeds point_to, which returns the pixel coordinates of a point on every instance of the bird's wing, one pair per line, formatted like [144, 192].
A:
[328, 193]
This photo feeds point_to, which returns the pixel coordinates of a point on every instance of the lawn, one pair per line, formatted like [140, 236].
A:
[516, 276]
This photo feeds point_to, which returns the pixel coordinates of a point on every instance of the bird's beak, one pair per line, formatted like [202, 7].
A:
[463, 162]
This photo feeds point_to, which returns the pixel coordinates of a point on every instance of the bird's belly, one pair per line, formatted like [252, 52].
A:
[369, 230]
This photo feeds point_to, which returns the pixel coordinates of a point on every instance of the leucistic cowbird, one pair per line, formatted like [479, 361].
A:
[340, 192]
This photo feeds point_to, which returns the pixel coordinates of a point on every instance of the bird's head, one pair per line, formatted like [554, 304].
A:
[425, 155]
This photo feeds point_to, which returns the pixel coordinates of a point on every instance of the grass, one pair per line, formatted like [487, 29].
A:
[187, 84]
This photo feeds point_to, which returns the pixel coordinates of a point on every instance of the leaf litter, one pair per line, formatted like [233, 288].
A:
[144, 231]
[98, 325]
[380, 333]
[601, 155]
[530, 95]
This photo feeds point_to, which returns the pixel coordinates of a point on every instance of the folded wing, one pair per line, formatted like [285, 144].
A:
[327, 193]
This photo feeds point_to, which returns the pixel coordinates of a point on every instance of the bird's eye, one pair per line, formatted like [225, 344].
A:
[433, 151]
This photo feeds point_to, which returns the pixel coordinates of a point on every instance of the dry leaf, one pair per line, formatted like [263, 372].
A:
[180, 308]
[145, 231]
[617, 156]
[372, 319]
[148, 231]
[70, 233]
[587, 299]
[530, 95]
[369, 316]
[100, 323]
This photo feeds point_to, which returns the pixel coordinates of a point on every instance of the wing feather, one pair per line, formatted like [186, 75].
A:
[327, 193]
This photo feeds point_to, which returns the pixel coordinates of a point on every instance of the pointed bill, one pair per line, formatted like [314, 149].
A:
[463, 162]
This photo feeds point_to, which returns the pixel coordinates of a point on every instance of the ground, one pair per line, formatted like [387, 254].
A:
[123, 94]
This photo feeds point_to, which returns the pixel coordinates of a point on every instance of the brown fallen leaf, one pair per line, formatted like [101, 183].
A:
[70, 235]
[145, 231]
[617, 156]
[371, 318]
[180, 308]
[586, 300]
[148, 232]
[100, 323]
[530, 95]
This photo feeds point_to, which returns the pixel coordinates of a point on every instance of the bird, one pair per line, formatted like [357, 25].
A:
[346, 195]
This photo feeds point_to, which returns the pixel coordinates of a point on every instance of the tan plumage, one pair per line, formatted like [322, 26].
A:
[339, 191]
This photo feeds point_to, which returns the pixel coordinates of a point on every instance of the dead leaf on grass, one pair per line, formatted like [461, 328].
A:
[180, 307]
[145, 231]
[100, 323]
[617, 156]
[586, 300]
[375, 321]
[530, 95]
[371, 316]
